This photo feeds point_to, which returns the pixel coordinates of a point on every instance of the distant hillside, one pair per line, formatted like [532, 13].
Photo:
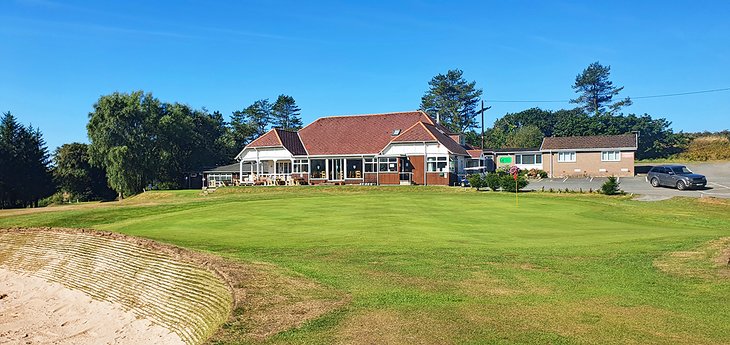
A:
[707, 148]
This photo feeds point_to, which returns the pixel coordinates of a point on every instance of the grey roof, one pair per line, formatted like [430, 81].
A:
[513, 150]
[590, 142]
[230, 168]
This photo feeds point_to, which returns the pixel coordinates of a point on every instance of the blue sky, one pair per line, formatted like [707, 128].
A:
[345, 57]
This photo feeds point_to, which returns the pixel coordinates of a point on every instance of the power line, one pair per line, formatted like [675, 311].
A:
[638, 97]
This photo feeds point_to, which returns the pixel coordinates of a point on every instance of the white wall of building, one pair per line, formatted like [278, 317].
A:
[399, 149]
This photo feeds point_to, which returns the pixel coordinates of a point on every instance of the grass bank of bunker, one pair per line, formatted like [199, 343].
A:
[159, 283]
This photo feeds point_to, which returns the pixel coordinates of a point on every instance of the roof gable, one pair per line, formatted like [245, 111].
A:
[590, 142]
[446, 140]
[356, 134]
[290, 140]
[417, 132]
[269, 139]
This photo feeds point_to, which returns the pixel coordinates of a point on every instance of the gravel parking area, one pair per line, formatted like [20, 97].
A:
[718, 183]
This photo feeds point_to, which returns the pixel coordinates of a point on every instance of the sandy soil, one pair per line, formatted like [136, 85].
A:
[35, 311]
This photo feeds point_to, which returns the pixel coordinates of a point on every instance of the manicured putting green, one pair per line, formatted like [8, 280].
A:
[451, 265]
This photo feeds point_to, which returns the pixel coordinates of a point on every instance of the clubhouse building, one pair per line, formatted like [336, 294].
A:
[407, 148]
[385, 149]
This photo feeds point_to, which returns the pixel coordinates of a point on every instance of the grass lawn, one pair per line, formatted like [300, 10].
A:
[450, 265]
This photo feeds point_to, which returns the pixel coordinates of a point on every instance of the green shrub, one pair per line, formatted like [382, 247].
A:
[611, 186]
[55, 199]
[476, 181]
[534, 173]
[492, 180]
[507, 183]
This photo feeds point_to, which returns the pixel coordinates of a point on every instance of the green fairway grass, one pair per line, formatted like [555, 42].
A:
[451, 265]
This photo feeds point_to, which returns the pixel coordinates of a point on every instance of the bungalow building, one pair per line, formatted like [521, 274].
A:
[595, 155]
[383, 149]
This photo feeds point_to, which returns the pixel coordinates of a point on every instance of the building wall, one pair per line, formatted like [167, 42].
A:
[370, 177]
[389, 178]
[589, 164]
[266, 154]
[399, 149]
[513, 160]
[435, 179]
[417, 163]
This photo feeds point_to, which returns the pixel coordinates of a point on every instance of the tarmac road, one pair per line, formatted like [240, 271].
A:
[718, 183]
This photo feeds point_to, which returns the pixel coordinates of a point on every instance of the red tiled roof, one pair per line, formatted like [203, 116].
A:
[474, 153]
[268, 139]
[417, 132]
[590, 142]
[278, 138]
[356, 134]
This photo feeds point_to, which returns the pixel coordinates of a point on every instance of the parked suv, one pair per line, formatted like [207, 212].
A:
[675, 176]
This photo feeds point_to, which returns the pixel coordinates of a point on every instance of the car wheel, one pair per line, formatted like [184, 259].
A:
[655, 182]
[681, 185]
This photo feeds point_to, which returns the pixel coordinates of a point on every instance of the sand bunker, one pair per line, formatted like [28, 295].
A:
[36, 311]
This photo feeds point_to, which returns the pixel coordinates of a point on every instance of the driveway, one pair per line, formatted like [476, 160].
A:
[718, 183]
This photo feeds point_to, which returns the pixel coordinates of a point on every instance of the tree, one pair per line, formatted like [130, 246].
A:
[25, 175]
[75, 175]
[123, 132]
[452, 99]
[597, 91]
[285, 114]
[250, 123]
[525, 137]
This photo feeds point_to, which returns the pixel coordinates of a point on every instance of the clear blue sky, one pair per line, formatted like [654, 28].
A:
[345, 57]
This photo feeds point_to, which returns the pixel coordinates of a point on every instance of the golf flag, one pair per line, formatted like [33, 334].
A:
[514, 171]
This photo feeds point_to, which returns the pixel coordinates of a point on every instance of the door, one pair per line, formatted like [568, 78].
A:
[337, 169]
[405, 169]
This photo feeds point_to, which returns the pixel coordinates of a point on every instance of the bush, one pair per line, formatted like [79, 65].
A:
[707, 148]
[507, 183]
[492, 180]
[610, 187]
[55, 199]
[476, 181]
[534, 173]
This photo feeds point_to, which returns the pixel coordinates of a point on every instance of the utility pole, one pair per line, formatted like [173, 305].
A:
[482, 112]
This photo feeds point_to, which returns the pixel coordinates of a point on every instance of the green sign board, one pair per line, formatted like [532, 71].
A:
[505, 160]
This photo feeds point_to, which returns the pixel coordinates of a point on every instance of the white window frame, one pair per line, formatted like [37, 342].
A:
[301, 166]
[432, 163]
[370, 165]
[567, 157]
[536, 157]
[391, 163]
[611, 156]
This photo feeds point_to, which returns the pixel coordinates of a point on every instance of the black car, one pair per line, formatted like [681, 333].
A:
[675, 176]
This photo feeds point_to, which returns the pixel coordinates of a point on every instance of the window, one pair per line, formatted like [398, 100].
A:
[221, 177]
[528, 159]
[370, 164]
[435, 164]
[283, 167]
[354, 168]
[474, 163]
[388, 164]
[301, 166]
[610, 156]
[318, 168]
[564, 157]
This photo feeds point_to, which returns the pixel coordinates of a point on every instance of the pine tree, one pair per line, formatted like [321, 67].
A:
[452, 99]
[597, 91]
[285, 114]
[25, 176]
